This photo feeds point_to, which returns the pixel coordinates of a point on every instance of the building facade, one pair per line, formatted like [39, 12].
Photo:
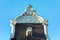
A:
[29, 26]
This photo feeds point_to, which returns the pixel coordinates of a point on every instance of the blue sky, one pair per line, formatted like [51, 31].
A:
[48, 9]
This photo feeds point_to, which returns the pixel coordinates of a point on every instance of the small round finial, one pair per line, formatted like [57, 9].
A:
[29, 6]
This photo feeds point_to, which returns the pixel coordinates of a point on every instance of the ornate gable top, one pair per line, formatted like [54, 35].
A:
[29, 16]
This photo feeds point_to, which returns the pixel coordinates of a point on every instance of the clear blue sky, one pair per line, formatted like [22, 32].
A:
[48, 9]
